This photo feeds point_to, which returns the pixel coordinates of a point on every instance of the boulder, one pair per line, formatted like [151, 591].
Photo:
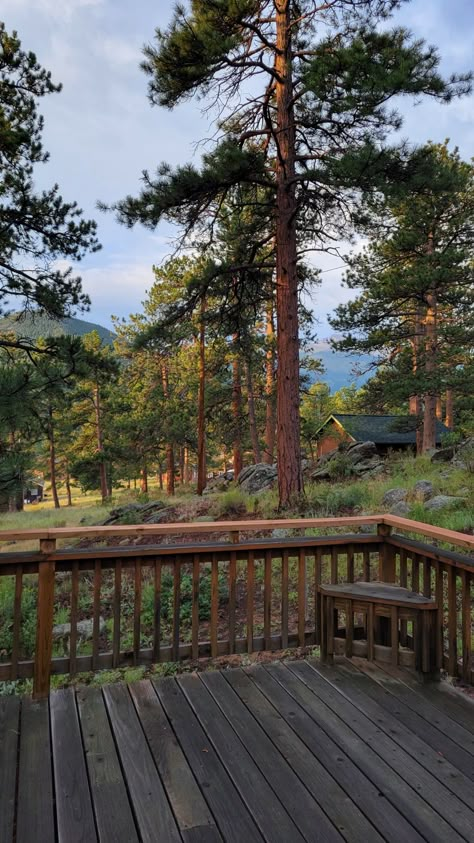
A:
[157, 517]
[401, 508]
[361, 451]
[442, 502]
[257, 478]
[85, 629]
[423, 490]
[393, 496]
[361, 458]
[443, 454]
[218, 484]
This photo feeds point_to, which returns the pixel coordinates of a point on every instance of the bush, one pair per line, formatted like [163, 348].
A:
[231, 503]
[28, 618]
[186, 594]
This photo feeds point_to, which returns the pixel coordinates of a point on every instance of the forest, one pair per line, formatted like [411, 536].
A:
[218, 370]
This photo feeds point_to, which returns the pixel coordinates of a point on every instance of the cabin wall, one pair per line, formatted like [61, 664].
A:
[332, 438]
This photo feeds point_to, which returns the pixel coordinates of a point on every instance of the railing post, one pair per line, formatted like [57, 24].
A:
[387, 566]
[44, 620]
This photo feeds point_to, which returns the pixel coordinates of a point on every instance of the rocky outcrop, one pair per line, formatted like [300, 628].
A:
[360, 459]
[461, 456]
[85, 629]
[257, 478]
[139, 513]
[394, 496]
[219, 484]
[401, 508]
[423, 490]
[443, 502]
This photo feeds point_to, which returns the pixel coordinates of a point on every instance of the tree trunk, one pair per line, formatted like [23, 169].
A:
[169, 445]
[257, 457]
[415, 406]
[181, 465]
[449, 419]
[104, 491]
[187, 472]
[290, 477]
[429, 398]
[160, 476]
[269, 389]
[68, 487]
[439, 408]
[237, 409]
[201, 448]
[144, 479]
[52, 459]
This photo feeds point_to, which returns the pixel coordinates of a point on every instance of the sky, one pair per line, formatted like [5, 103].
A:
[101, 131]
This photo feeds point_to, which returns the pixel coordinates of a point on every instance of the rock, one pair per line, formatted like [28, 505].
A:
[367, 528]
[218, 484]
[85, 629]
[393, 496]
[361, 451]
[401, 508]
[443, 454]
[442, 502]
[257, 478]
[423, 490]
[162, 515]
[360, 459]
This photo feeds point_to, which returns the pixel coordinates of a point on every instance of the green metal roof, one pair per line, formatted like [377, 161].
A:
[383, 430]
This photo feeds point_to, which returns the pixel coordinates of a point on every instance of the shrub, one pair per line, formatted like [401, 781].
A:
[186, 594]
[231, 503]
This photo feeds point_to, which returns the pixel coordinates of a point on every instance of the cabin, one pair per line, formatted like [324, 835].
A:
[387, 432]
[33, 493]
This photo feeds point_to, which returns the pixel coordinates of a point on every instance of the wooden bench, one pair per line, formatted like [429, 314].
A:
[383, 605]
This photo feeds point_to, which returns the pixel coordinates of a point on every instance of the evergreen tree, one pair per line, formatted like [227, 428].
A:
[309, 134]
[415, 311]
[36, 228]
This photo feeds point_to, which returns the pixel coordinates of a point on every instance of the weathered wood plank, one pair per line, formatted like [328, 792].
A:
[214, 603]
[16, 621]
[75, 818]
[35, 812]
[74, 618]
[151, 809]
[195, 608]
[261, 801]
[413, 790]
[188, 804]
[230, 813]
[267, 600]
[250, 599]
[112, 810]
[137, 609]
[378, 592]
[284, 599]
[232, 600]
[330, 775]
[117, 612]
[9, 734]
[304, 811]
[96, 614]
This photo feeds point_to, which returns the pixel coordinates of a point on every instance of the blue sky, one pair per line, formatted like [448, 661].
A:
[102, 132]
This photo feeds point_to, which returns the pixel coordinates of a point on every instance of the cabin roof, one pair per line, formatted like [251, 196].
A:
[383, 430]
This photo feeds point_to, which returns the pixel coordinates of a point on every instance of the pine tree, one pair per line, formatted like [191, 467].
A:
[36, 228]
[310, 138]
[415, 312]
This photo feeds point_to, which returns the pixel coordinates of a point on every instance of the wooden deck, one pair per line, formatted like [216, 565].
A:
[279, 753]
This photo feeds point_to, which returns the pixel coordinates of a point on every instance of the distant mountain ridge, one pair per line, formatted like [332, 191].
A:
[35, 325]
[338, 367]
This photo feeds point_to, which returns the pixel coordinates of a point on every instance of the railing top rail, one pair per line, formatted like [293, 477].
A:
[134, 531]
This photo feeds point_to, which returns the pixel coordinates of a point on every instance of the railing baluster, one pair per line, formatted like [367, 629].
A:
[250, 599]
[452, 624]
[415, 574]
[96, 614]
[301, 596]
[195, 609]
[137, 609]
[403, 583]
[16, 621]
[74, 619]
[176, 606]
[366, 576]
[157, 611]
[284, 600]
[334, 564]
[117, 613]
[466, 626]
[350, 563]
[214, 603]
[267, 600]
[426, 577]
[439, 595]
[317, 605]
[232, 589]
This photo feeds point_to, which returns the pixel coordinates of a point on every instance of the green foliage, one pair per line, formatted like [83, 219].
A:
[28, 617]
[37, 228]
[148, 597]
[232, 503]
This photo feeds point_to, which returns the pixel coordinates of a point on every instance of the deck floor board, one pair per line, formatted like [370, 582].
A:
[276, 752]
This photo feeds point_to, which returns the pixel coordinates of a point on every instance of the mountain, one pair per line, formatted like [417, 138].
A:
[35, 325]
[339, 367]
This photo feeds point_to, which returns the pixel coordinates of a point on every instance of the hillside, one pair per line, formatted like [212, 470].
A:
[34, 325]
[339, 367]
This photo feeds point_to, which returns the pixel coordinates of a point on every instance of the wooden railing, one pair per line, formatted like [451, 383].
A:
[166, 602]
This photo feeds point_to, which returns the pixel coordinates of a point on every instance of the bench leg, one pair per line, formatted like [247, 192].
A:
[394, 635]
[330, 629]
[370, 632]
[349, 628]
